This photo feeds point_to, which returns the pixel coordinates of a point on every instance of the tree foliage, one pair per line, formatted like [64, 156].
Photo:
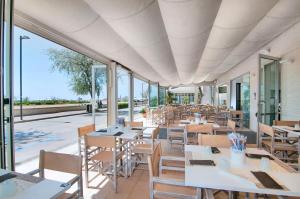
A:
[79, 68]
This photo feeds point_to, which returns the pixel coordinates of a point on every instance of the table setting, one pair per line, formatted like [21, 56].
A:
[238, 169]
[22, 186]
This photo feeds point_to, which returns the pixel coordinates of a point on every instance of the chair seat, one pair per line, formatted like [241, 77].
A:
[174, 135]
[104, 156]
[168, 174]
[172, 163]
[142, 148]
[172, 189]
[280, 146]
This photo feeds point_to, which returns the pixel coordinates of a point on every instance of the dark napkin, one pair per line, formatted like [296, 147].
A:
[102, 130]
[258, 156]
[7, 177]
[134, 128]
[118, 134]
[266, 180]
[215, 150]
[203, 162]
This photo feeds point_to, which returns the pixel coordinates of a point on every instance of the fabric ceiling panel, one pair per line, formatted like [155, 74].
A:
[140, 24]
[172, 42]
[75, 19]
[282, 16]
[66, 16]
[122, 57]
[101, 37]
[188, 24]
[234, 21]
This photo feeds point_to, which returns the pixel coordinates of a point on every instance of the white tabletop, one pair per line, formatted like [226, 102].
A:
[46, 189]
[148, 132]
[237, 178]
[288, 130]
[128, 133]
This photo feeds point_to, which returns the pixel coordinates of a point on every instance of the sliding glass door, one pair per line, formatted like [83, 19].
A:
[269, 90]
[123, 91]
[6, 85]
[99, 95]
[240, 96]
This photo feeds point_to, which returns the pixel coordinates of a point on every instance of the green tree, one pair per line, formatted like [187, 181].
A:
[79, 68]
[186, 100]
[170, 97]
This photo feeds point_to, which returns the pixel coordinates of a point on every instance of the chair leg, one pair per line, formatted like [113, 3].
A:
[86, 173]
[115, 177]
[198, 193]
[209, 194]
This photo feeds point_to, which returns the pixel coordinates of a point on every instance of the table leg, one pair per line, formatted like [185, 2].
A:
[126, 161]
[232, 195]
[199, 193]
[299, 150]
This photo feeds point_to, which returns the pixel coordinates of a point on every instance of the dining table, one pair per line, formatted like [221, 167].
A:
[224, 174]
[14, 185]
[126, 136]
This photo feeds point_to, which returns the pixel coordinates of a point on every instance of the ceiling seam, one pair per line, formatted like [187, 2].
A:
[258, 21]
[266, 44]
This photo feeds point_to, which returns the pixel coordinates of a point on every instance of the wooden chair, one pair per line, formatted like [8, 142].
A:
[175, 135]
[107, 160]
[82, 131]
[134, 124]
[221, 118]
[237, 116]
[285, 123]
[192, 131]
[60, 162]
[165, 186]
[214, 140]
[275, 144]
[145, 147]
[232, 125]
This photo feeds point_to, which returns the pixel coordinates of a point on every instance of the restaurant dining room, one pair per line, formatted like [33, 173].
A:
[154, 99]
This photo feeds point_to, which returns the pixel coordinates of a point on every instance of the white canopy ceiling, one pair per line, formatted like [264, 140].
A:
[172, 42]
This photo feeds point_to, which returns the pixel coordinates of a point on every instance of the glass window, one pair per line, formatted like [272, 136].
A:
[141, 97]
[123, 92]
[162, 95]
[222, 92]
[153, 95]
[56, 85]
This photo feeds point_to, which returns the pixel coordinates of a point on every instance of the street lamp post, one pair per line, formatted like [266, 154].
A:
[21, 102]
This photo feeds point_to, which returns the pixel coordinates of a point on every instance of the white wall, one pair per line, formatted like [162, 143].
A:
[286, 46]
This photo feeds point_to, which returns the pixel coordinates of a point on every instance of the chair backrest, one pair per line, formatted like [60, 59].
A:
[134, 124]
[155, 133]
[231, 124]
[154, 160]
[285, 123]
[100, 141]
[82, 131]
[214, 140]
[66, 163]
[202, 128]
[234, 114]
[266, 129]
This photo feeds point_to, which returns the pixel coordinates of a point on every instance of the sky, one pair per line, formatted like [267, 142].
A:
[40, 81]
